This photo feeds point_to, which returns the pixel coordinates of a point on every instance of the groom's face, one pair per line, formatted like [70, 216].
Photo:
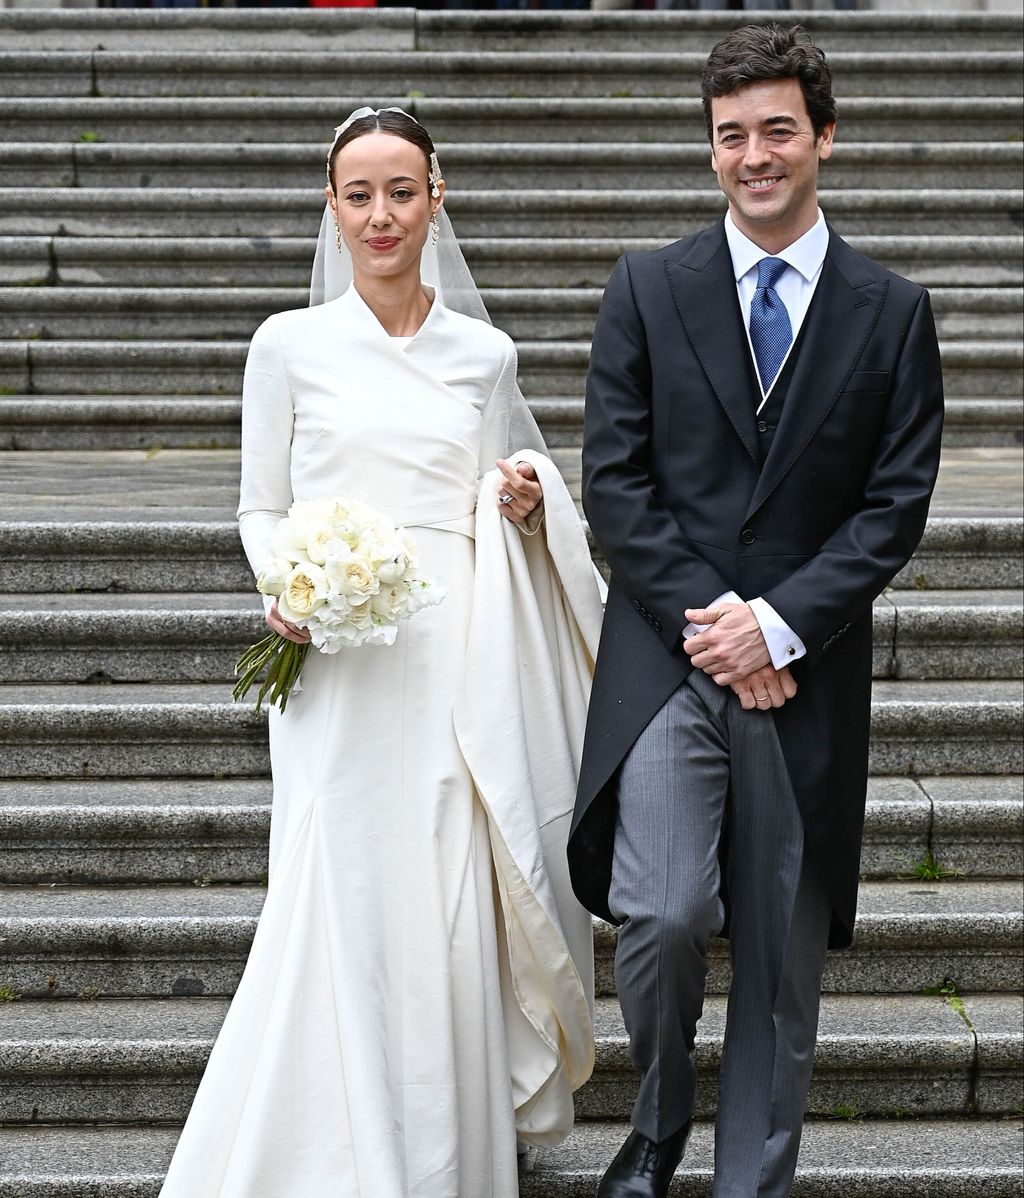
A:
[766, 156]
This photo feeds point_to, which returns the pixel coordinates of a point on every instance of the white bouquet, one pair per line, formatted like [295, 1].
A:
[343, 571]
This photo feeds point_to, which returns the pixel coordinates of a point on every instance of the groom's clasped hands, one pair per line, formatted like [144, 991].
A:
[732, 651]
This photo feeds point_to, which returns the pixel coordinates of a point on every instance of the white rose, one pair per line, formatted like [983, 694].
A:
[271, 581]
[318, 538]
[393, 567]
[305, 590]
[289, 540]
[390, 602]
[355, 580]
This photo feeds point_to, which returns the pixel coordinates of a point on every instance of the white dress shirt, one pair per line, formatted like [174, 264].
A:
[805, 258]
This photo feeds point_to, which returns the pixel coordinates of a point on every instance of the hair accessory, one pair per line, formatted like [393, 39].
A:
[435, 176]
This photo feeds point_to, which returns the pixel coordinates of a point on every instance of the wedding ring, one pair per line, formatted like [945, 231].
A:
[761, 698]
[505, 498]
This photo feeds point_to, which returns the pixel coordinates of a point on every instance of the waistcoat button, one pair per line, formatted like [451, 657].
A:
[747, 536]
[762, 427]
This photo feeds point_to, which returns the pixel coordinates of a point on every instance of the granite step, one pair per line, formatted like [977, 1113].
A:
[911, 936]
[876, 1055]
[349, 31]
[559, 213]
[851, 1158]
[854, 1158]
[147, 831]
[455, 119]
[194, 730]
[129, 1060]
[138, 549]
[189, 72]
[171, 637]
[988, 369]
[131, 422]
[163, 520]
[932, 261]
[50, 313]
[67, 941]
[531, 164]
[697, 31]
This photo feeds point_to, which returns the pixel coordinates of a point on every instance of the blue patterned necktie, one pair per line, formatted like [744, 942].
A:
[771, 334]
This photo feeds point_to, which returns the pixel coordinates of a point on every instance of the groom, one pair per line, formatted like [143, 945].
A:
[764, 412]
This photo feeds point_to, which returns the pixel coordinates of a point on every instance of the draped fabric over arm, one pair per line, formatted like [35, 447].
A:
[508, 424]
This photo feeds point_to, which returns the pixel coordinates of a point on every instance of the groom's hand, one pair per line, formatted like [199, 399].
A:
[765, 688]
[732, 648]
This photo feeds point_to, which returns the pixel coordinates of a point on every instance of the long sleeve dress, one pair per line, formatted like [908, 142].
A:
[377, 1046]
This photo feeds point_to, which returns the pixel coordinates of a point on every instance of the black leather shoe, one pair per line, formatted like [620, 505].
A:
[643, 1169]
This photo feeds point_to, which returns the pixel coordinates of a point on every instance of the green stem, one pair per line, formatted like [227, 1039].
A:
[281, 659]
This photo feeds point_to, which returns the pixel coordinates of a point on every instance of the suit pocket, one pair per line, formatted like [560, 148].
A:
[868, 382]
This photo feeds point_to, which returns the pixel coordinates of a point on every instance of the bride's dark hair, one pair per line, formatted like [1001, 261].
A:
[399, 124]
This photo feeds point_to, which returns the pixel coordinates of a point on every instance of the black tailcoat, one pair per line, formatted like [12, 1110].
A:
[686, 505]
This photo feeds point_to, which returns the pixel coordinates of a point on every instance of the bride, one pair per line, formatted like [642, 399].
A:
[419, 993]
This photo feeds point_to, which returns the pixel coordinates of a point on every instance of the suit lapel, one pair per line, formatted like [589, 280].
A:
[703, 287]
[846, 305]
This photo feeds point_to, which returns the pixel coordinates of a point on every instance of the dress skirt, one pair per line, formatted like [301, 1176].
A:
[364, 1053]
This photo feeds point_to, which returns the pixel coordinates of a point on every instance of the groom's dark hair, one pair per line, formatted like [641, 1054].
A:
[757, 53]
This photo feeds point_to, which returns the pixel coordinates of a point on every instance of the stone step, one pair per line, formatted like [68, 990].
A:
[911, 936]
[584, 73]
[198, 637]
[661, 214]
[131, 1060]
[194, 730]
[574, 262]
[454, 119]
[62, 422]
[135, 552]
[697, 31]
[48, 313]
[852, 1157]
[163, 520]
[991, 369]
[186, 830]
[189, 830]
[845, 1158]
[65, 941]
[874, 1054]
[427, 30]
[558, 164]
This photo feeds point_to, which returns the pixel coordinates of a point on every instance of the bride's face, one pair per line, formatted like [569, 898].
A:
[382, 203]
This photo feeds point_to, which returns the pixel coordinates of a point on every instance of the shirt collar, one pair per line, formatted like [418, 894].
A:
[805, 255]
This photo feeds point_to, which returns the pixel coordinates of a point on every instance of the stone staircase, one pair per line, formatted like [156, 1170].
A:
[159, 176]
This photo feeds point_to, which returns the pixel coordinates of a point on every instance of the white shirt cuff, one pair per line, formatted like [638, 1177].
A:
[728, 597]
[784, 646]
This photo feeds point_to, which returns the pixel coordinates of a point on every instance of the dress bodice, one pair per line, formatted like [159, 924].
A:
[333, 406]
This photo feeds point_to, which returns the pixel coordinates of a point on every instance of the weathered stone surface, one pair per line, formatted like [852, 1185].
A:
[90, 1060]
[977, 825]
[998, 1023]
[139, 831]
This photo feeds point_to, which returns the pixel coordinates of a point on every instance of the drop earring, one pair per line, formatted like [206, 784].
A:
[435, 229]
[337, 237]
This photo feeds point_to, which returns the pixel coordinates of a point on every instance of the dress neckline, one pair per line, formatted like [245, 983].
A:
[371, 316]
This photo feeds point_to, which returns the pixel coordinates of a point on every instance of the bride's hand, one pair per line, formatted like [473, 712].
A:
[521, 483]
[290, 632]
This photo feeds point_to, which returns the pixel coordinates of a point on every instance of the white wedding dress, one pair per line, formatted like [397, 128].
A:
[369, 1051]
